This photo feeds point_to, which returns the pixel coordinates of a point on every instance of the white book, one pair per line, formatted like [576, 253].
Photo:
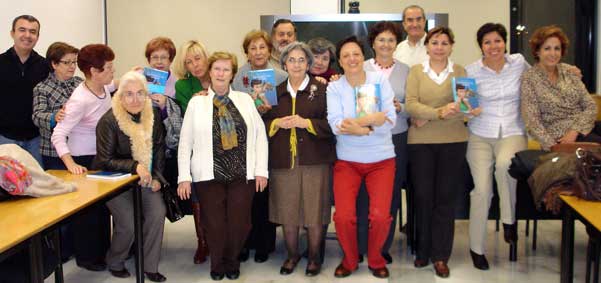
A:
[106, 175]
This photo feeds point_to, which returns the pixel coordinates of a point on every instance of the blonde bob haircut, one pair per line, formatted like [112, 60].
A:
[221, 55]
[194, 47]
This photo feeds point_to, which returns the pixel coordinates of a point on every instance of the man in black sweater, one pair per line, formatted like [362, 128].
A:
[21, 69]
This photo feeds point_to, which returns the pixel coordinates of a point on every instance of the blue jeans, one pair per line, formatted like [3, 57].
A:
[32, 146]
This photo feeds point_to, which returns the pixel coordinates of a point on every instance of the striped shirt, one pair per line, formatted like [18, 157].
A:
[49, 96]
[499, 98]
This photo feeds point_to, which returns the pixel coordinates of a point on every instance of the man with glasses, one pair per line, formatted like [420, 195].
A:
[21, 69]
[412, 50]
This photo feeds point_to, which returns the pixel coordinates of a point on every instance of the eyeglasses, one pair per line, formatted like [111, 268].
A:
[294, 60]
[159, 58]
[130, 96]
[68, 63]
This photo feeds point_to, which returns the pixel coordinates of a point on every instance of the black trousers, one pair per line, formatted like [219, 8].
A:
[225, 217]
[436, 173]
[91, 227]
[262, 234]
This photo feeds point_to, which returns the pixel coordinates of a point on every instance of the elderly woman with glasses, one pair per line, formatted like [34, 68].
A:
[301, 146]
[131, 138]
[50, 96]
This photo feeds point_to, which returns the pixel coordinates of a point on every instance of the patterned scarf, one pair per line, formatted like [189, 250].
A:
[229, 138]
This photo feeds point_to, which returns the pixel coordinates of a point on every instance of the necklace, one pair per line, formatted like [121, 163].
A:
[102, 96]
[384, 67]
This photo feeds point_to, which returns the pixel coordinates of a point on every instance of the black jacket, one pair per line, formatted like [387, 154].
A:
[17, 81]
[113, 146]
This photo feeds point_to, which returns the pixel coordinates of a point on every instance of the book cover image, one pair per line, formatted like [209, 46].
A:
[156, 80]
[465, 92]
[368, 99]
[262, 87]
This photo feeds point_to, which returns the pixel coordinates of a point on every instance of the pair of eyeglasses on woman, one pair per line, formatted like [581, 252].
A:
[130, 96]
[68, 63]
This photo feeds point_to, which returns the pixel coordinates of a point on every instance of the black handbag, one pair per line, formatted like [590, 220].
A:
[173, 210]
[524, 162]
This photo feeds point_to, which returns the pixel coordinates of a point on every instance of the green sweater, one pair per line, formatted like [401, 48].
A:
[424, 98]
[184, 90]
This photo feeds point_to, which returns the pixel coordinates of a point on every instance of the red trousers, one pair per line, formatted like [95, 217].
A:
[379, 179]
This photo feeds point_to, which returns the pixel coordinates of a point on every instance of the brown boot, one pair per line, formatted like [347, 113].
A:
[202, 250]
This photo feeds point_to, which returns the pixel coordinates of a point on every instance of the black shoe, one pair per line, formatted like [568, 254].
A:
[313, 269]
[216, 276]
[155, 277]
[261, 257]
[243, 256]
[387, 257]
[360, 259]
[289, 265]
[479, 261]
[510, 233]
[92, 266]
[123, 273]
[232, 275]
[419, 263]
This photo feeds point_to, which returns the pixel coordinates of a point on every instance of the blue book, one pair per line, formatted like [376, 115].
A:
[107, 175]
[262, 87]
[368, 99]
[465, 92]
[156, 80]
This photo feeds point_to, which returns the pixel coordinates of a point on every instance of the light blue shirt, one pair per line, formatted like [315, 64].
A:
[397, 79]
[341, 105]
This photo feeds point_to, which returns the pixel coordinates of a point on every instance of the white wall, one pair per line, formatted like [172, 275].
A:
[465, 17]
[219, 24]
[298, 7]
[77, 22]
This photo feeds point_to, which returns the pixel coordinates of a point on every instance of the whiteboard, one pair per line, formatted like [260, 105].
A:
[76, 22]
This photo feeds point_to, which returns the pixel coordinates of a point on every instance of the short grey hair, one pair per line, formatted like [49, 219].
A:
[414, 7]
[320, 45]
[297, 46]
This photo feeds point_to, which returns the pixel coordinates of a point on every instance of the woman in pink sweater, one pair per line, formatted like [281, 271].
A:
[75, 141]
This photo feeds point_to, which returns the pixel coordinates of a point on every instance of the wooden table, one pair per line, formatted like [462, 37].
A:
[589, 212]
[24, 219]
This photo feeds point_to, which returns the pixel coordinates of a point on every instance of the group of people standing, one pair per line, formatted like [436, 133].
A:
[246, 167]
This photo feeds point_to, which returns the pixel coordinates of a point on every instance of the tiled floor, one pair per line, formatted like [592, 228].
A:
[541, 265]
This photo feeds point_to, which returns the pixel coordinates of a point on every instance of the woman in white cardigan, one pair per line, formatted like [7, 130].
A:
[223, 156]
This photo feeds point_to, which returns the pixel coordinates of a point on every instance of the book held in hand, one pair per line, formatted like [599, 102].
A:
[107, 175]
[368, 99]
[465, 93]
[156, 80]
[262, 87]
